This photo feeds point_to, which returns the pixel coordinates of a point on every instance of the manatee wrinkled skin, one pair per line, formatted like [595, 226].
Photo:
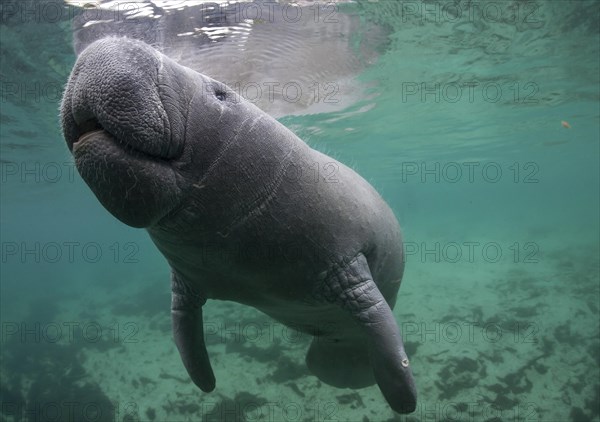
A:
[243, 210]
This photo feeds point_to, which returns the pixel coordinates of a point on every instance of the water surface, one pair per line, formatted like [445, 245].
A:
[479, 126]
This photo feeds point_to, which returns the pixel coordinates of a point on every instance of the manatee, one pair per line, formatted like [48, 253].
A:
[242, 210]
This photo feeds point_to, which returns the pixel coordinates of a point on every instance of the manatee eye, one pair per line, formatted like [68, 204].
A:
[221, 95]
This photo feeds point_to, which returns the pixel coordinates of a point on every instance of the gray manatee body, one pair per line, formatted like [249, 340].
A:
[243, 210]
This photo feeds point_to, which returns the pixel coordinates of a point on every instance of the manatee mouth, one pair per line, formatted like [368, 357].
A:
[124, 178]
[92, 130]
[86, 131]
[86, 136]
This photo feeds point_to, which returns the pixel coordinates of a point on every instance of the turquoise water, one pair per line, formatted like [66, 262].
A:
[497, 197]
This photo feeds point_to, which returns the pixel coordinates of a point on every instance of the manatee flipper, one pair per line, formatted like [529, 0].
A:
[188, 331]
[351, 286]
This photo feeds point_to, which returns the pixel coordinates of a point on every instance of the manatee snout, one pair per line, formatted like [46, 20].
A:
[122, 119]
[119, 86]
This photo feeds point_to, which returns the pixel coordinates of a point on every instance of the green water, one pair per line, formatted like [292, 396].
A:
[499, 206]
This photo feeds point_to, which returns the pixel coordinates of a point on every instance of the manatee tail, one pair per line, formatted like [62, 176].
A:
[188, 331]
[351, 286]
